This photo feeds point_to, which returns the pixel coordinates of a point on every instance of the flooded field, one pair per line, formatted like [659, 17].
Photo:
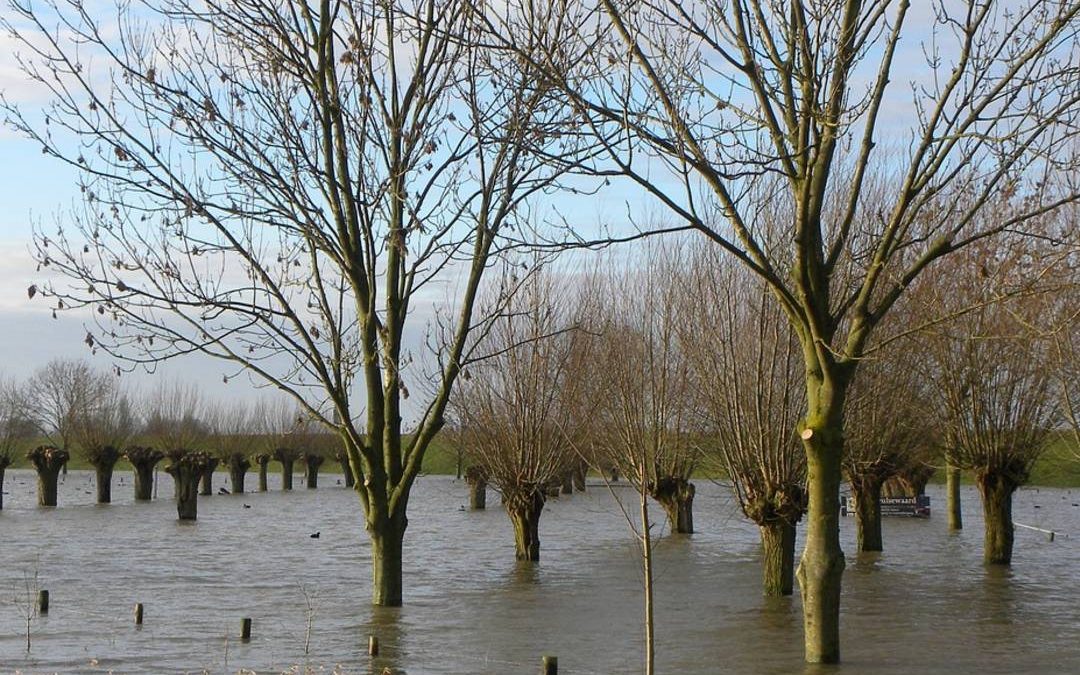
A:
[926, 606]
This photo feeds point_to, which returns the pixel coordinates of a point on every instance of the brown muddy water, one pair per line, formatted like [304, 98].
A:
[926, 606]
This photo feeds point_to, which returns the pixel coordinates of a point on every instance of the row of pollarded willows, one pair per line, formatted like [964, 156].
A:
[84, 413]
[687, 364]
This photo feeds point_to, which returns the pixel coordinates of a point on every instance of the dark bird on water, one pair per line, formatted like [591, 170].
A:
[222, 491]
[316, 535]
[247, 506]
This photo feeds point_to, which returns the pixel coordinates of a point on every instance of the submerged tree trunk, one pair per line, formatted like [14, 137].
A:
[206, 480]
[187, 469]
[387, 540]
[263, 461]
[48, 463]
[822, 567]
[4, 463]
[997, 490]
[346, 470]
[676, 495]
[104, 461]
[476, 479]
[238, 468]
[143, 460]
[313, 462]
[524, 508]
[778, 565]
[568, 482]
[286, 473]
[866, 489]
[579, 476]
[952, 497]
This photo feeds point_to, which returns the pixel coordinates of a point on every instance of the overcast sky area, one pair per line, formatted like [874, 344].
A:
[35, 190]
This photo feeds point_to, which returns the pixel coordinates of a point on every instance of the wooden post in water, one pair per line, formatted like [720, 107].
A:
[549, 665]
[138, 613]
[43, 602]
[372, 645]
[245, 629]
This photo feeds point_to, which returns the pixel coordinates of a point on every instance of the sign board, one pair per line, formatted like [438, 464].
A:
[909, 507]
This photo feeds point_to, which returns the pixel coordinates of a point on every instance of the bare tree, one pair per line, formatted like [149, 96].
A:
[16, 427]
[277, 184]
[992, 368]
[886, 432]
[721, 109]
[101, 427]
[747, 367]
[176, 423]
[648, 410]
[520, 406]
[234, 438]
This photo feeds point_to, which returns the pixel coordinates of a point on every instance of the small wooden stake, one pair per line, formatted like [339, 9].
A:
[43, 602]
[138, 613]
[245, 629]
[549, 665]
[372, 645]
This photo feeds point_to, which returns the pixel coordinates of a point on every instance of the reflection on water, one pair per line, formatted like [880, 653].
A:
[926, 605]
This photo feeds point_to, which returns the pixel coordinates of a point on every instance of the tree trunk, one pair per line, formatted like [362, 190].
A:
[568, 482]
[676, 495]
[822, 567]
[952, 497]
[646, 555]
[286, 474]
[997, 491]
[187, 496]
[778, 565]
[206, 480]
[237, 474]
[187, 470]
[477, 495]
[387, 540]
[103, 473]
[3, 468]
[866, 490]
[524, 510]
[346, 470]
[48, 462]
[262, 474]
[579, 476]
[144, 481]
[313, 463]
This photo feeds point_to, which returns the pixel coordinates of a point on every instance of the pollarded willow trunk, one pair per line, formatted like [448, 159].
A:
[143, 460]
[238, 468]
[821, 570]
[206, 480]
[866, 489]
[676, 495]
[5, 462]
[346, 470]
[997, 489]
[187, 469]
[952, 497]
[567, 486]
[104, 461]
[476, 479]
[313, 462]
[387, 540]
[579, 476]
[263, 461]
[524, 507]
[778, 564]
[287, 458]
[48, 462]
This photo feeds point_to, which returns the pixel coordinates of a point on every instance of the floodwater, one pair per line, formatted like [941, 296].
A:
[926, 606]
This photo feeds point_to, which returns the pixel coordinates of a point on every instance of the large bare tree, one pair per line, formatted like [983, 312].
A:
[523, 408]
[719, 108]
[16, 427]
[277, 184]
[993, 370]
[101, 427]
[648, 419]
[747, 366]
